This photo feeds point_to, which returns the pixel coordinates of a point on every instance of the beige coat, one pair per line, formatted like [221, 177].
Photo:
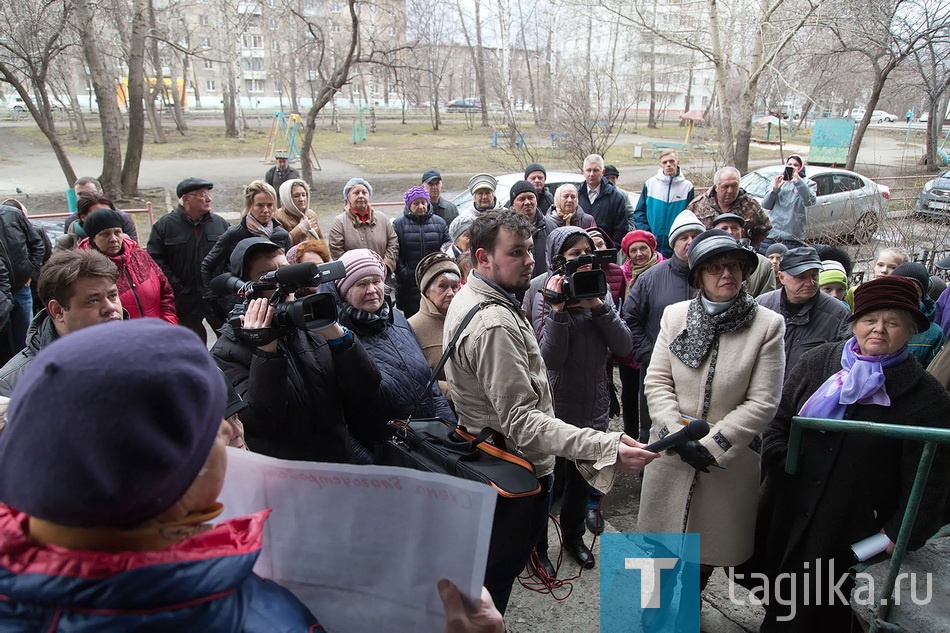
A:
[746, 390]
[427, 325]
[377, 235]
[290, 220]
[498, 379]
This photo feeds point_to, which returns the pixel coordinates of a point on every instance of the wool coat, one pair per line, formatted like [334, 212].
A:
[378, 235]
[746, 386]
[848, 486]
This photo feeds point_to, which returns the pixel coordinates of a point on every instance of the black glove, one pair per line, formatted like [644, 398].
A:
[696, 455]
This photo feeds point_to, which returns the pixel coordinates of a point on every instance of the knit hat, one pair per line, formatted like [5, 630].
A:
[352, 182]
[685, 222]
[832, 272]
[520, 187]
[111, 425]
[433, 265]
[459, 225]
[711, 243]
[883, 293]
[359, 263]
[482, 181]
[415, 193]
[431, 175]
[533, 167]
[937, 286]
[192, 184]
[916, 272]
[776, 249]
[610, 170]
[100, 220]
[637, 236]
[799, 260]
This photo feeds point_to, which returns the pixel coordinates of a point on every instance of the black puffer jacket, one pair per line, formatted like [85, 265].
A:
[418, 236]
[405, 373]
[296, 395]
[216, 261]
[178, 244]
[21, 246]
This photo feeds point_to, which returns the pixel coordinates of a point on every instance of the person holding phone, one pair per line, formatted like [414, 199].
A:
[787, 205]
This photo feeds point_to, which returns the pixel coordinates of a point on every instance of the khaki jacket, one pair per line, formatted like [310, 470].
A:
[498, 379]
[291, 224]
[377, 235]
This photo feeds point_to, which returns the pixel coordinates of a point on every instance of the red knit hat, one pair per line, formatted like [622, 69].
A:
[637, 236]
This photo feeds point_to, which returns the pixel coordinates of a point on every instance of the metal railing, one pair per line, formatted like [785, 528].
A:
[47, 216]
[929, 435]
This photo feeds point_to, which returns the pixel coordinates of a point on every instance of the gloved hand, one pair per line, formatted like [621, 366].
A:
[696, 455]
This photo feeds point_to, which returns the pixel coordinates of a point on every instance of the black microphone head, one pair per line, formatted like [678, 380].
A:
[697, 429]
[296, 275]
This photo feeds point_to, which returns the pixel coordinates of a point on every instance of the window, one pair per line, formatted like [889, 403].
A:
[253, 63]
[275, 45]
[253, 41]
[209, 85]
[705, 101]
[203, 20]
[208, 64]
[205, 42]
[335, 6]
[255, 85]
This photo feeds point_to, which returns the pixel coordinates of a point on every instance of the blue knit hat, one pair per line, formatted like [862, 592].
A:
[109, 426]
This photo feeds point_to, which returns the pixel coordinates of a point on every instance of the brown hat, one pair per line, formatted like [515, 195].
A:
[889, 293]
[433, 265]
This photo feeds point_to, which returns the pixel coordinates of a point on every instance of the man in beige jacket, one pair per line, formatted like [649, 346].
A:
[499, 380]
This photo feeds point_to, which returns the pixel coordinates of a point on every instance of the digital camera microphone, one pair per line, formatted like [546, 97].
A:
[295, 275]
[694, 430]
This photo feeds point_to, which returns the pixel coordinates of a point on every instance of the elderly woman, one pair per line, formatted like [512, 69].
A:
[719, 357]
[257, 220]
[143, 288]
[361, 226]
[848, 486]
[295, 214]
[390, 342]
[86, 203]
[420, 232]
[576, 338]
[458, 236]
[566, 211]
[438, 277]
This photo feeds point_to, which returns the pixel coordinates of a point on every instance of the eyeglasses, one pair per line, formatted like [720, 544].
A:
[204, 195]
[718, 268]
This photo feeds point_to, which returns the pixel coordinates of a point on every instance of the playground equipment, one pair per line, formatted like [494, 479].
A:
[286, 134]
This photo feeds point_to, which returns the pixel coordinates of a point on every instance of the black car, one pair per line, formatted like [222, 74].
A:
[934, 200]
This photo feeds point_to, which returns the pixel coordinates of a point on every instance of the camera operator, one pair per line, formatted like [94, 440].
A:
[295, 385]
[576, 338]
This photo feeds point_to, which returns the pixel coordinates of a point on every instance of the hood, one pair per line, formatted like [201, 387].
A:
[236, 261]
[556, 240]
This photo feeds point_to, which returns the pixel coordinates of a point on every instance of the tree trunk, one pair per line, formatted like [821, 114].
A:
[228, 97]
[75, 109]
[177, 96]
[651, 118]
[726, 139]
[105, 88]
[880, 76]
[746, 106]
[136, 63]
[480, 64]
[157, 91]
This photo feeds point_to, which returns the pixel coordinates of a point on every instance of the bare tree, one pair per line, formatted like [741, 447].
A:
[933, 65]
[478, 54]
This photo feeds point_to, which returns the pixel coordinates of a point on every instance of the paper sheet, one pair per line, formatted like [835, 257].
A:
[364, 546]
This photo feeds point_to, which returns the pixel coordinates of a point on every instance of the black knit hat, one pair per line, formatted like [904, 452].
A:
[522, 186]
[533, 167]
[110, 426]
[100, 220]
[916, 272]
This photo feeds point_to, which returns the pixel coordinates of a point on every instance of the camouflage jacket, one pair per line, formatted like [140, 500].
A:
[757, 224]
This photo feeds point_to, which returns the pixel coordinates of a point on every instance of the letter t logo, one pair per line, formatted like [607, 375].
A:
[650, 569]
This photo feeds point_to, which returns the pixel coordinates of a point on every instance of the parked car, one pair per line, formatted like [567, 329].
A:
[18, 107]
[857, 113]
[933, 201]
[880, 116]
[464, 105]
[554, 180]
[850, 206]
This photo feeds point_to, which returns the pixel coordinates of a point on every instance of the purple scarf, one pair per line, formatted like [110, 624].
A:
[861, 380]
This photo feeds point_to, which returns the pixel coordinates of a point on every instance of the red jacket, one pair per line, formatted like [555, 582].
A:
[143, 288]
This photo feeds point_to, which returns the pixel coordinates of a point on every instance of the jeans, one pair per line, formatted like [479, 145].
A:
[20, 317]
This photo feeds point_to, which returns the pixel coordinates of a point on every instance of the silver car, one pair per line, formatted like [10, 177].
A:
[850, 206]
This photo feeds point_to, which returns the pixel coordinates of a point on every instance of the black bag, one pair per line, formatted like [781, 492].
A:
[434, 445]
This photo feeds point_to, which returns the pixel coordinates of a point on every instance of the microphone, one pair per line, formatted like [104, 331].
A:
[695, 430]
[295, 275]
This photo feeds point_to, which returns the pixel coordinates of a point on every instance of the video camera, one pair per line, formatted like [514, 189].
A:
[581, 284]
[313, 312]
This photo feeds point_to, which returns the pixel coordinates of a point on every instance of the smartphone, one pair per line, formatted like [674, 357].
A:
[789, 170]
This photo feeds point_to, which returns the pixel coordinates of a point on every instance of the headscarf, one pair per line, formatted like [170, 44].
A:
[287, 200]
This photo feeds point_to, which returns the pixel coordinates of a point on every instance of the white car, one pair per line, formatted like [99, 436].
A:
[850, 206]
[880, 116]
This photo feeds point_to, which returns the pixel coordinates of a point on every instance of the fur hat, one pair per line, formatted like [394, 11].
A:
[359, 263]
[111, 425]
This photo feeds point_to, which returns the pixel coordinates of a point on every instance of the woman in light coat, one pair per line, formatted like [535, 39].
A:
[719, 357]
[295, 214]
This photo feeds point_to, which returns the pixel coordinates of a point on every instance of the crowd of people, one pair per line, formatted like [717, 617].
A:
[710, 306]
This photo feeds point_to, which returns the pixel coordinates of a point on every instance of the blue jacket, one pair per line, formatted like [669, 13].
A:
[418, 236]
[393, 346]
[925, 345]
[202, 583]
[609, 209]
[662, 199]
